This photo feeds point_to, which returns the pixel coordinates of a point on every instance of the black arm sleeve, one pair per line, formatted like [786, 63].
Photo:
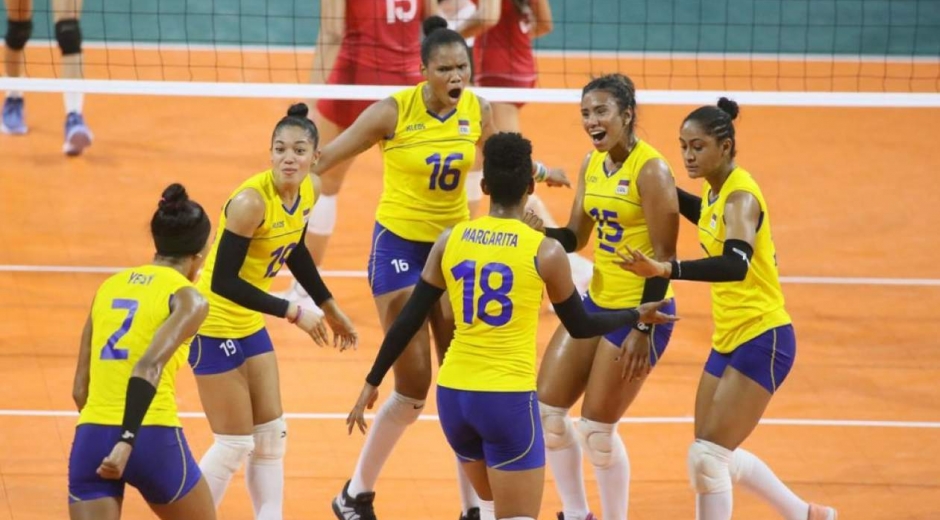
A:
[405, 326]
[565, 236]
[139, 395]
[227, 283]
[582, 325]
[689, 205]
[654, 290]
[731, 266]
[305, 271]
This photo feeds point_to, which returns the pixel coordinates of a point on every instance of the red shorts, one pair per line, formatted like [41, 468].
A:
[499, 81]
[343, 113]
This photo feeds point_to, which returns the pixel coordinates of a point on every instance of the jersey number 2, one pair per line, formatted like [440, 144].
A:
[467, 271]
[110, 350]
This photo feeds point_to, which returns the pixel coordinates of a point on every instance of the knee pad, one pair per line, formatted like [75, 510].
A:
[18, 33]
[402, 410]
[270, 440]
[228, 453]
[557, 427]
[709, 470]
[599, 441]
[69, 36]
[323, 219]
[474, 191]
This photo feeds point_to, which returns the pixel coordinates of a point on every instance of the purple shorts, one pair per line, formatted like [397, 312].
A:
[161, 466]
[502, 428]
[208, 355]
[767, 359]
[660, 335]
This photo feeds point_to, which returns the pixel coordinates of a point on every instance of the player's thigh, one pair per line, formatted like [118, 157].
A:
[107, 508]
[226, 400]
[264, 387]
[565, 368]
[736, 407]
[517, 493]
[196, 504]
[331, 180]
[19, 10]
[707, 386]
[506, 117]
[477, 474]
[608, 394]
[66, 9]
[413, 368]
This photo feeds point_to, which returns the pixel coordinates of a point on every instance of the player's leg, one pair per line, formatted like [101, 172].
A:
[514, 450]
[195, 504]
[68, 34]
[90, 496]
[734, 391]
[108, 508]
[562, 378]
[264, 473]
[395, 265]
[222, 380]
[19, 30]
[606, 399]
[442, 329]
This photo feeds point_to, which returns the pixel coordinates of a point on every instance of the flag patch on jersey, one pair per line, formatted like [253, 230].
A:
[463, 126]
[714, 223]
[623, 187]
[306, 216]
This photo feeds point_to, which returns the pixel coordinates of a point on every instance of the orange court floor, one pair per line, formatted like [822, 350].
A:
[853, 198]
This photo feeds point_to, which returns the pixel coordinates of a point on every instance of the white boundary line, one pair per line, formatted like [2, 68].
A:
[538, 95]
[547, 53]
[805, 280]
[840, 423]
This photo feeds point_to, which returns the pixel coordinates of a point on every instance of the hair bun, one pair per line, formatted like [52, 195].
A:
[173, 198]
[433, 23]
[298, 110]
[729, 106]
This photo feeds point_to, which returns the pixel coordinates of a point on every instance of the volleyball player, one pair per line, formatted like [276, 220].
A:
[361, 42]
[261, 230]
[627, 195]
[125, 379]
[495, 270]
[68, 35]
[753, 344]
[428, 135]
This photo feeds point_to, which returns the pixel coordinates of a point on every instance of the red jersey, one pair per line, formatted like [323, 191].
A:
[383, 35]
[505, 51]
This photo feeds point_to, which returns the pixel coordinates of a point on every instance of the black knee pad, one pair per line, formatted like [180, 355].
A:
[69, 36]
[18, 33]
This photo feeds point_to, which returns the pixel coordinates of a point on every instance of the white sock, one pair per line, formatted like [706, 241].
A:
[15, 94]
[395, 415]
[487, 510]
[520, 518]
[716, 505]
[752, 473]
[468, 496]
[222, 460]
[611, 466]
[264, 473]
[569, 479]
[73, 102]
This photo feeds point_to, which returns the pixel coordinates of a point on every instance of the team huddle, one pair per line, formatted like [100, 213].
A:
[503, 414]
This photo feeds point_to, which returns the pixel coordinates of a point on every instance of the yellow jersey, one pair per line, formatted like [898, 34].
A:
[128, 309]
[271, 245]
[612, 199]
[746, 309]
[493, 283]
[426, 165]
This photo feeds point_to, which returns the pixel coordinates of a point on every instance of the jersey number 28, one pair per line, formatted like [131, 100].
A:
[467, 271]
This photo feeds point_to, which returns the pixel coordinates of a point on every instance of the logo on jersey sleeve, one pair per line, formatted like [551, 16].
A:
[623, 187]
